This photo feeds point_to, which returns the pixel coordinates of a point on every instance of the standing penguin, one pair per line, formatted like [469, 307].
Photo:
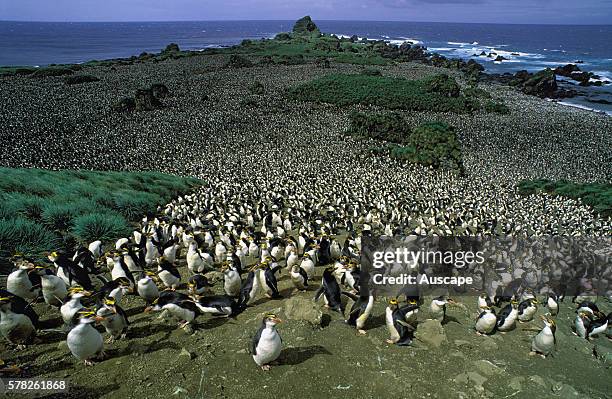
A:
[552, 302]
[84, 341]
[400, 331]
[249, 288]
[486, 322]
[70, 272]
[17, 328]
[113, 319]
[168, 274]
[299, 278]
[267, 343]
[308, 265]
[544, 343]
[231, 280]
[506, 320]
[54, 289]
[269, 282]
[197, 285]
[70, 309]
[581, 324]
[527, 310]
[146, 287]
[437, 308]
[20, 284]
[597, 326]
[360, 311]
[331, 291]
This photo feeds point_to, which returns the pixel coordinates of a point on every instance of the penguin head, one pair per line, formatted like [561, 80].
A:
[87, 316]
[411, 301]
[549, 322]
[5, 300]
[271, 320]
[514, 303]
[393, 302]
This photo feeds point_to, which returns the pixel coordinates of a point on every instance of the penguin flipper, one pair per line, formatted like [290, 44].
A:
[318, 293]
[351, 295]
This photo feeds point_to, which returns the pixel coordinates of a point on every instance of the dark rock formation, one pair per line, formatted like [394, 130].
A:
[305, 26]
[171, 48]
[126, 104]
[145, 100]
[160, 90]
[500, 58]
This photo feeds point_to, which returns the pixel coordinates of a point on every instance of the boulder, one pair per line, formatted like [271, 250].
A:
[541, 84]
[431, 333]
[171, 48]
[567, 70]
[298, 308]
[160, 90]
[145, 100]
[500, 58]
[305, 25]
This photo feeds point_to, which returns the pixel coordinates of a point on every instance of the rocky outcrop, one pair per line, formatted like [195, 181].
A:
[584, 78]
[431, 333]
[305, 25]
[298, 308]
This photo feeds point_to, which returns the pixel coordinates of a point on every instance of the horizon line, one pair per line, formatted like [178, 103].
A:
[293, 20]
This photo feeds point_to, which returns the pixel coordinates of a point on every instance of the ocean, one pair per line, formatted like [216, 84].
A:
[530, 47]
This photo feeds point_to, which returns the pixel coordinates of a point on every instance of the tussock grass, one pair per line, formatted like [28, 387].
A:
[41, 209]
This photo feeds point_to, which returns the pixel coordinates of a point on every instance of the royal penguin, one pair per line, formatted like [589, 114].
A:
[484, 301]
[299, 278]
[506, 319]
[84, 341]
[581, 324]
[437, 308]
[527, 309]
[168, 274]
[597, 326]
[587, 307]
[21, 306]
[115, 289]
[197, 285]
[486, 321]
[401, 332]
[552, 303]
[267, 343]
[360, 311]
[16, 328]
[113, 319]
[249, 288]
[20, 283]
[146, 287]
[308, 265]
[54, 289]
[268, 280]
[331, 291]
[185, 310]
[217, 305]
[71, 308]
[70, 272]
[544, 342]
[231, 280]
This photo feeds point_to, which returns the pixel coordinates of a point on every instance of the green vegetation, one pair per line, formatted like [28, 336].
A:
[431, 144]
[40, 209]
[596, 195]
[438, 93]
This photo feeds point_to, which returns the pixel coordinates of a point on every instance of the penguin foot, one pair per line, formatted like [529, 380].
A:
[88, 363]
[389, 341]
[266, 367]
[361, 332]
[183, 324]
[542, 356]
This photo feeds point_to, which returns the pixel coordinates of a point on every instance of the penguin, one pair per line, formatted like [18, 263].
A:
[437, 308]
[20, 284]
[84, 258]
[120, 269]
[401, 333]
[360, 311]
[113, 319]
[269, 282]
[70, 272]
[113, 289]
[267, 343]
[552, 302]
[587, 307]
[217, 305]
[54, 289]
[70, 309]
[168, 274]
[411, 311]
[195, 260]
[544, 343]
[527, 310]
[581, 324]
[231, 280]
[506, 320]
[597, 326]
[484, 301]
[185, 310]
[292, 258]
[146, 287]
[197, 285]
[16, 328]
[308, 265]
[249, 288]
[21, 306]
[331, 291]
[84, 341]
[486, 322]
[299, 278]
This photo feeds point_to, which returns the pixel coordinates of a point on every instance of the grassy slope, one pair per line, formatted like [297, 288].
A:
[42, 210]
[597, 195]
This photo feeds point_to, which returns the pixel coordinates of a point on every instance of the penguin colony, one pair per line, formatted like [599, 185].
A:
[253, 244]
[287, 193]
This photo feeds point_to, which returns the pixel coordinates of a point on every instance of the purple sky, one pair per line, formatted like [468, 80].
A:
[497, 11]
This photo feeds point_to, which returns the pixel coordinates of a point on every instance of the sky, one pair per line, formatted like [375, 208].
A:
[477, 11]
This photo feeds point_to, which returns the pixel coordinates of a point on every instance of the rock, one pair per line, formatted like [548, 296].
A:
[297, 308]
[541, 84]
[565, 391]
[160, 90]
[171, 48]
[283, 36]
[305, 25]
[184, 352]
[488, 344]
[487, 368]
[567, 70]
[500, 58]
[431, 333]
[145, 100]
[536, 379]
[214, 277]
